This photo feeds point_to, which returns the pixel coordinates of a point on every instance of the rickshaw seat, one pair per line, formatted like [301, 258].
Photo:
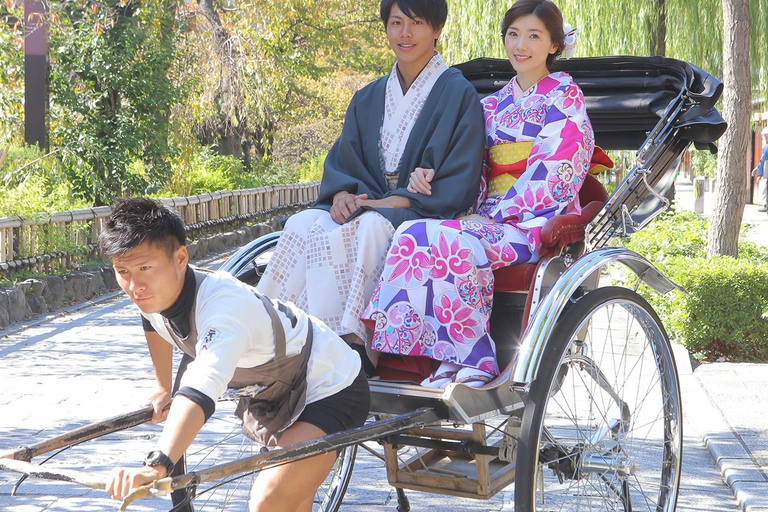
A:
[557, 233]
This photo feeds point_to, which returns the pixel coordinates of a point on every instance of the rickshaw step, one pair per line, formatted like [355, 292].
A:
[448, 460]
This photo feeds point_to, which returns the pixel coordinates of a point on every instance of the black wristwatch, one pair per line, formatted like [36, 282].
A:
[158, 458]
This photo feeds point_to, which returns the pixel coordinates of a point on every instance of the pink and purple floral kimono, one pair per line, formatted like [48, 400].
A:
[435, 295]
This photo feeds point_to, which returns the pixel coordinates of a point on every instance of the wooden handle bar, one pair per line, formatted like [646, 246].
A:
[78, 435]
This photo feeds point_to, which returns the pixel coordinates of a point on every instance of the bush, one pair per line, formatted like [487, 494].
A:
[674, 233]
[33, 183]
[311, 169]
[207, 171]
[214, 172]
[725, 313]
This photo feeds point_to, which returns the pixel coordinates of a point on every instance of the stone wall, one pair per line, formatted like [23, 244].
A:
[40, 295]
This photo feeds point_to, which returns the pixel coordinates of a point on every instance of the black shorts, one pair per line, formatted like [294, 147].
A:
[341, 411]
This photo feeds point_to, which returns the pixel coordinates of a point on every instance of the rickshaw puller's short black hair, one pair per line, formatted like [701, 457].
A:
[434, 12]
[137, 220]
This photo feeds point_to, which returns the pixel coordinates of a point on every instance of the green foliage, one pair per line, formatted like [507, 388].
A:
[672, 234]
[277, 172]
[725, 313]
[11, 73]
[258, 63]
[316, 120]
[274, 173]
[34, 183]
[311, 169]
[137, 87]
[111, 93]
[473, 30]
[207, 171]
[34, 188]
[214, 172]
[703, 163]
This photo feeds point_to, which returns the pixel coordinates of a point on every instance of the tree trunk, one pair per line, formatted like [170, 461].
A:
[659, 32]
[732, 167]
[230, 131]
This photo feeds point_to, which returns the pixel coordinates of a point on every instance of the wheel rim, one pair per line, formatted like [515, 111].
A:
[610, 435]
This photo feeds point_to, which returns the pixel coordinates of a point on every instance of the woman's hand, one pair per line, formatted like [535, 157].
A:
[159, 400]
[344, 205]
[123, 480]
[419, 181]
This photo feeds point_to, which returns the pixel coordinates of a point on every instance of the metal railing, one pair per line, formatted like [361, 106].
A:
[66, 239]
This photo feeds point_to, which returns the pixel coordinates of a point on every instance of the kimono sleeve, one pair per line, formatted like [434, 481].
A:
[345, 165]
[557, 165]
[457, 157]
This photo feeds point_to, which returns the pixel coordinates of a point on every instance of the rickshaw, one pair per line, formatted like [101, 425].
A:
[586, 414]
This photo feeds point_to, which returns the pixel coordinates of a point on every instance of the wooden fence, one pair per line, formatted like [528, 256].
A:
[66, 239]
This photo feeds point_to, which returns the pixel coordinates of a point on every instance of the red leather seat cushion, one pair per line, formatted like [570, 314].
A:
[558, 232]
[565, 229]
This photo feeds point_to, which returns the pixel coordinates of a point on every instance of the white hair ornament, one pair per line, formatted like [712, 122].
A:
[570, 39]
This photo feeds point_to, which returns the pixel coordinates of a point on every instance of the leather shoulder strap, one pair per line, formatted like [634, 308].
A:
[277, 326]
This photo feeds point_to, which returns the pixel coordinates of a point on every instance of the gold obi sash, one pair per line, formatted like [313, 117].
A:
[508, 162]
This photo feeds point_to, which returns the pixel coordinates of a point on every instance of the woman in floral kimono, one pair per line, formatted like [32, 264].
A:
[435, 295]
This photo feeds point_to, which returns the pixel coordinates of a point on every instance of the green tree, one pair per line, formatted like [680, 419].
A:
[249, 62]
[11, 74]
[111, 92]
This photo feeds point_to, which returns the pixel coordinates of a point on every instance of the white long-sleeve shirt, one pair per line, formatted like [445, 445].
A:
[235, 330]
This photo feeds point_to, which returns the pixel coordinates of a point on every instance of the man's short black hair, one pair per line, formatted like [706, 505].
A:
[434, 12]
[137, 220]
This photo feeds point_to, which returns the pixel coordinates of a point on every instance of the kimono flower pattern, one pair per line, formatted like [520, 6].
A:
[457, 316]
[408, 262]
[436, 293]
[449, 258]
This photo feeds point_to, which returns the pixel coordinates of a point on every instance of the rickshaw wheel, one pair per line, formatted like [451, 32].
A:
[602, 427]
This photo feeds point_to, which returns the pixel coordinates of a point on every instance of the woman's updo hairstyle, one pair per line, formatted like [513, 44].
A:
[548, 13]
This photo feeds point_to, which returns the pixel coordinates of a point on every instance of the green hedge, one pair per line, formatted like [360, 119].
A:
[725, 312]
